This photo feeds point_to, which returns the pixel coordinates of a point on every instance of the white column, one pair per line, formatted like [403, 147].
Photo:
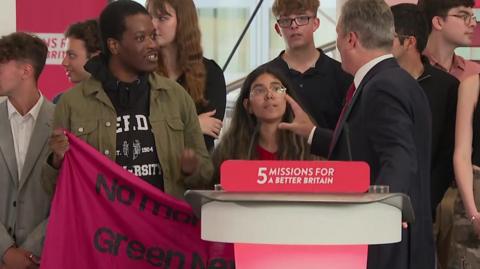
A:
[339, 7]
[7, 16]
[7, 20]
[340, 3]
[395, 2]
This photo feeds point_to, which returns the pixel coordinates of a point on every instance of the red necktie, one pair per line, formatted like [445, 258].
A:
[348, 99]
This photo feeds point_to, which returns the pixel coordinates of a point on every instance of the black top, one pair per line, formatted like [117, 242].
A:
[441, 90]
[135, 149]
[320, 90]
[215, 94]
[476, 136]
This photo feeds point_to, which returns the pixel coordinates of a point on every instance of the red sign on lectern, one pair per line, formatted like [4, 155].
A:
[295, 176]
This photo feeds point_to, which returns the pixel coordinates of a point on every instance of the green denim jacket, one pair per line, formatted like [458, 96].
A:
[87, 112]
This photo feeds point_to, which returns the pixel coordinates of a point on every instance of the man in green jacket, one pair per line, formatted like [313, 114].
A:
[144, 122]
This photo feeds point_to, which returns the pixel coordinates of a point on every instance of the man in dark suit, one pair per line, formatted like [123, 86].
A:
[25, 119]
[411, 37]
[386, 122]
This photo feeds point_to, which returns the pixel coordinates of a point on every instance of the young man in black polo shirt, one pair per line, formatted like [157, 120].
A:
[320, 82]
[440, 87]
[412, 29]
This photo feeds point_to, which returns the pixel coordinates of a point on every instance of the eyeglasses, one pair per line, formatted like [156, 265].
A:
[260, 91]
[467, 18]
[300, 21]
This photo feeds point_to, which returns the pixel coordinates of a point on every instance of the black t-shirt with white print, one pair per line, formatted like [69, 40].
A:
[136, 150]
[135, 142]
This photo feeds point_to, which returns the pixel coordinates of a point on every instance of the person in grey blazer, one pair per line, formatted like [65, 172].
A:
[25, 118]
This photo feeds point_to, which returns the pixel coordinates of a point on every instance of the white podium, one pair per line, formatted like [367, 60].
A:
[301, 219]
[334, 221]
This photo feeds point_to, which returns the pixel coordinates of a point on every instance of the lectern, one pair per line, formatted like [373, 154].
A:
[301, 230]
[300, 215]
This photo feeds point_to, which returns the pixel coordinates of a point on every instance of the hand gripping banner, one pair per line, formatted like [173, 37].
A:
[104, 217]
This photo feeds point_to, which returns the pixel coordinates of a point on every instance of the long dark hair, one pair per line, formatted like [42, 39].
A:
[241, 137]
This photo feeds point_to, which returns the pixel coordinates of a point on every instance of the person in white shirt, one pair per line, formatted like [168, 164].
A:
[25, 118]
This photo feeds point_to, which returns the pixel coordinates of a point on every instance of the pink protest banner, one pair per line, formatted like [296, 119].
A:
[104, 217]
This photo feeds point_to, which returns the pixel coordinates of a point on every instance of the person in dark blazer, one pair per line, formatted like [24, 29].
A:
[25, 119]
[386, 122]
[411, 35]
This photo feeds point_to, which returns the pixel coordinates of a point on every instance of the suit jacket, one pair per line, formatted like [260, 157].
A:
[388, 125]
[24, 205]
[441, 90]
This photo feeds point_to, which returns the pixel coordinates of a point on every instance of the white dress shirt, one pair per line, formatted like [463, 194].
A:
[22, 128]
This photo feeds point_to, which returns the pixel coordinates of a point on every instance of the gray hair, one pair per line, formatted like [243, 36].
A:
[372, 20]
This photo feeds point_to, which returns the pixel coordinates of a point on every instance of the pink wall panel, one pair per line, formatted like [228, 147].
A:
[49, 19]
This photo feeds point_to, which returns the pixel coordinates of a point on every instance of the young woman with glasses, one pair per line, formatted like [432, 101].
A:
[253, 133]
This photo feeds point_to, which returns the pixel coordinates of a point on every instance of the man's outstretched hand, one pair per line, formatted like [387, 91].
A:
[301, 124]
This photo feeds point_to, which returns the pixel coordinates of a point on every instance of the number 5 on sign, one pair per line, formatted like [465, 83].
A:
[262, 176]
